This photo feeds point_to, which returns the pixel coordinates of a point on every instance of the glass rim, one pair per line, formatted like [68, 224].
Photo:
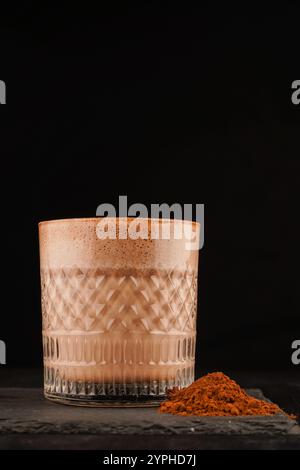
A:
[129, 219]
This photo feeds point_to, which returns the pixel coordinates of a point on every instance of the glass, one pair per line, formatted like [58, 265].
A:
[119, 315]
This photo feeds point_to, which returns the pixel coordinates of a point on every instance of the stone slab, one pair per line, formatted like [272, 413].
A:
[26, 416]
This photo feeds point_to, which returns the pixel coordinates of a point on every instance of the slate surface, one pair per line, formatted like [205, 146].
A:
[28, 421]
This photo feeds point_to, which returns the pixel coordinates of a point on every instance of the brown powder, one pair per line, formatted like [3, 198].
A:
[215, 395]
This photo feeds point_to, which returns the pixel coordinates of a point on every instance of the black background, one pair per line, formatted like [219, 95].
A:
[188, 106]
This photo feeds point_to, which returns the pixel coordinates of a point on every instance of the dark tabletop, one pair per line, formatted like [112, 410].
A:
[28, 421]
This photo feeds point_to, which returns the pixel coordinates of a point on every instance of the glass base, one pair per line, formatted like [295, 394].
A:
[145, 393]
[106, 402]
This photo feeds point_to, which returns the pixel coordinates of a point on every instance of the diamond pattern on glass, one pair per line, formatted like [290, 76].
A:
[95, 300]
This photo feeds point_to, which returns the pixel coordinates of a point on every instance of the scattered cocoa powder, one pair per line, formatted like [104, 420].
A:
[216, 395]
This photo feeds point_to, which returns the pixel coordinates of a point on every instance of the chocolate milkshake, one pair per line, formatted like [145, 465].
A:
[119, 314]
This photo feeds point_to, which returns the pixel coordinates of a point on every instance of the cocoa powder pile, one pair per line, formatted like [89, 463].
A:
[215, 395]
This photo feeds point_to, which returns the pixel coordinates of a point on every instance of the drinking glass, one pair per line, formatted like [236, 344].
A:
[119, 314]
